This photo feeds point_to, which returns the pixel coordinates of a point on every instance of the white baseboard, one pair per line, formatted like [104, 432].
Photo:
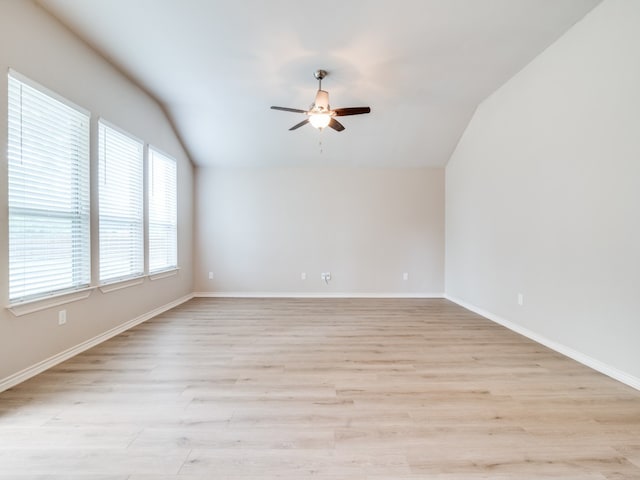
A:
[580, 357]
[315, 295]
[40, 367]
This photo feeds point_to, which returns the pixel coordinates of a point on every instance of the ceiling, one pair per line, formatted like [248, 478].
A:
[216, 66]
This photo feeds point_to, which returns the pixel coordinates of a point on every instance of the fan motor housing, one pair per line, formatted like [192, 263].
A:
[322, 101]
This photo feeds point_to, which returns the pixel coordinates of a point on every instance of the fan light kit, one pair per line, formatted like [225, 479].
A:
[320, 113]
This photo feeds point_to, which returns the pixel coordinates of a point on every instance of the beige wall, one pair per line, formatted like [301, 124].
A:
[543, 196]
[259, 229]
[36, 46]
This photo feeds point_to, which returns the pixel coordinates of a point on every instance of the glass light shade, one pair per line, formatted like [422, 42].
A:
[319, 120]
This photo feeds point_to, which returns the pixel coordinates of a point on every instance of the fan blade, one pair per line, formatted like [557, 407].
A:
[336, 125]
[341, 112]
[285, 109]
[298, 125]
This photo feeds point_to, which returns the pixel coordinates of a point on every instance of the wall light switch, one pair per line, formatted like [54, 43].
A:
[520, 299]
[62, 317]
[210, 275]
[303, 276]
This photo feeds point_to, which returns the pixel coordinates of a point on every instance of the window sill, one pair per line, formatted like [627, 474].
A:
[164, 273]
[120, 284]
[31, 306]
[19, 309]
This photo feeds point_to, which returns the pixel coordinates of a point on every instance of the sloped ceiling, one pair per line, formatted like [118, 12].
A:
[217, 66]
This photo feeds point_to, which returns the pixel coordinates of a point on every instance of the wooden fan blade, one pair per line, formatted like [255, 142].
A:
[342, 112]
[298, 125]
[285, 109]
[336, 125]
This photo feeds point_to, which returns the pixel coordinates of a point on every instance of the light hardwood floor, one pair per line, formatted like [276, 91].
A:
[319, 389]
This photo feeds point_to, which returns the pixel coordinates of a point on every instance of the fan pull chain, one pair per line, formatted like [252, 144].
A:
[320, 142]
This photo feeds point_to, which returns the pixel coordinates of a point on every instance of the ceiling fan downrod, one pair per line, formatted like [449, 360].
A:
[319, 75]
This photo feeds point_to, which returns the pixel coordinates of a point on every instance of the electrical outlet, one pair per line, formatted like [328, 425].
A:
[405, 276]
[62, 317]
[303, 276]
[210, 275]
[326, 276]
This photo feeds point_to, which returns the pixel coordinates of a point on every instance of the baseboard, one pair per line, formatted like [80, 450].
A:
[40, 367]
[315, 295]
[580, 357]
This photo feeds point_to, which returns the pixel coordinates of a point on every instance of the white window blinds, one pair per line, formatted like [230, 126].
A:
[163, 225]
[120, 184]
[48, 186]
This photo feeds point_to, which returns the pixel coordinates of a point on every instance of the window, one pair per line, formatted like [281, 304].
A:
[48, 174]
[120, 182]
[163, 225]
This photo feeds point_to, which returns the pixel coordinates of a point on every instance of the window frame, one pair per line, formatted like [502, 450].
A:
[171, 225]
[139, 216]
[30, 200]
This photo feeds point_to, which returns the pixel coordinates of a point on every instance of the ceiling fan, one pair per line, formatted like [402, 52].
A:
[320, 114]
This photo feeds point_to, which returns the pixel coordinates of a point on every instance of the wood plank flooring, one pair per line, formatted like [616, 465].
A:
[299, 389]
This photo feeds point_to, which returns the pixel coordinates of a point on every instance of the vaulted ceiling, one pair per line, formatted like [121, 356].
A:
[216, 66]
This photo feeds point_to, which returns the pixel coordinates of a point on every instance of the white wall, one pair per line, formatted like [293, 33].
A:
[35, 45]
[259, 229]
[543, 195]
